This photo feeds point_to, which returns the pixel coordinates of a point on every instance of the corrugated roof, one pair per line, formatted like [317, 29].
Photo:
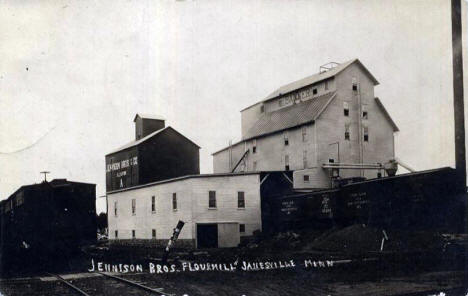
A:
[288, 117]
[135, 143]
[185, 178]
[314, 79]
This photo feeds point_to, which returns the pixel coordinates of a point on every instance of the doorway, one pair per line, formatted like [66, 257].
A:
[207, 236]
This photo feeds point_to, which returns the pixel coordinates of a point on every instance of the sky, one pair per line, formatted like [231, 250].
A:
[73, 74]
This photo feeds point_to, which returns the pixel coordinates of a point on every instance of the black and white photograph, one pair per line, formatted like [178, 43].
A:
[233, 148]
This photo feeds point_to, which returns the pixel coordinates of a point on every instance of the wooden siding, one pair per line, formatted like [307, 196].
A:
[192, 207]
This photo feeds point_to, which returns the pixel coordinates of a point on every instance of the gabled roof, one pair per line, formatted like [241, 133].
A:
[289, 117]
[384, 111]
[148, 116]
[290, 87]
[158, 132]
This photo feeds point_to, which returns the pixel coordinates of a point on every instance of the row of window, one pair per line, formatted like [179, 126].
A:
[364, 115]
[285, 138]
[347, 134]
[211, 202]
[153, 232]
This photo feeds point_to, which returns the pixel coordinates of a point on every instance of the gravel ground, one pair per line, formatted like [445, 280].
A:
[341, 281]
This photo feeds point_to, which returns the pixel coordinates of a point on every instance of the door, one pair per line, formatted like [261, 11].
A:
[207, 236]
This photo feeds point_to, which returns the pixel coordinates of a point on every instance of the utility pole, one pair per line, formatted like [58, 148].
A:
[45, 175]
[458, 104]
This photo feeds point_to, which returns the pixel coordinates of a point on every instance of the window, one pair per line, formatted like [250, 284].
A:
[153, 233]
[304, 134]
[306, 178]
[19, 199]
[240, 200]
[241, 228]
[212, 199]
[304, 158]
[153, 203]
[286, 138]
[366, 134]
[345, 108]
[354, 81]
[133, 206]
[314, 91]
[262, 108]
[254, 145]
[115, 208]
[364, 112]
[286, 162]
[116, 234]
[174, 201]
[346, 133]
[133, 234]
[326, 85]
[254, 166]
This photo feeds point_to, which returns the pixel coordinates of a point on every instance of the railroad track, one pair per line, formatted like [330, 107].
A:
[134, 284]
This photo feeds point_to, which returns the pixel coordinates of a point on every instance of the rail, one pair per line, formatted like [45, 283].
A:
[157, 291]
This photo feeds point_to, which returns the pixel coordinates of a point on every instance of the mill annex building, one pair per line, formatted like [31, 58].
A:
[298, 138]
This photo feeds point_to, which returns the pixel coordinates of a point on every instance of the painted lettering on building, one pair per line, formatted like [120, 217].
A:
[116, 166]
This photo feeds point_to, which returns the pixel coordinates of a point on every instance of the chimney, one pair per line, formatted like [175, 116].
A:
[147, 124]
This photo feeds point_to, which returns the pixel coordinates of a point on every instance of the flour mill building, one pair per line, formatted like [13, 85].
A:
[325, 127]
[328, 120]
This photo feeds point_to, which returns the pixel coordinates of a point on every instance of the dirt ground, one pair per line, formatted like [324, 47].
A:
[262, 283]
[427, 265]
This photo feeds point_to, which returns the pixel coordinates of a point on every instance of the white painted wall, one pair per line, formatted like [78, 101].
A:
[192, 206]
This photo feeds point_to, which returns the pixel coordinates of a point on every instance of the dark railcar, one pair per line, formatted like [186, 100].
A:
[427, 200]
[45, 222]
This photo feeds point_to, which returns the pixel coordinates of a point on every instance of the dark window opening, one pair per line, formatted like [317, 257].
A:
[314, 91]
[364, 114]
[133, 233]
[153, 204]
[286, 142]
[212, 199]
[346, 136]
[153, 233]
[254, 149]
[331, 160]
[116, 234]
[366, 138]
[174, 201]
[242, 228]
[354, 86]
[286, 167]
[306, 178]
[346, 112]
[133, 206]
[240, 200]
